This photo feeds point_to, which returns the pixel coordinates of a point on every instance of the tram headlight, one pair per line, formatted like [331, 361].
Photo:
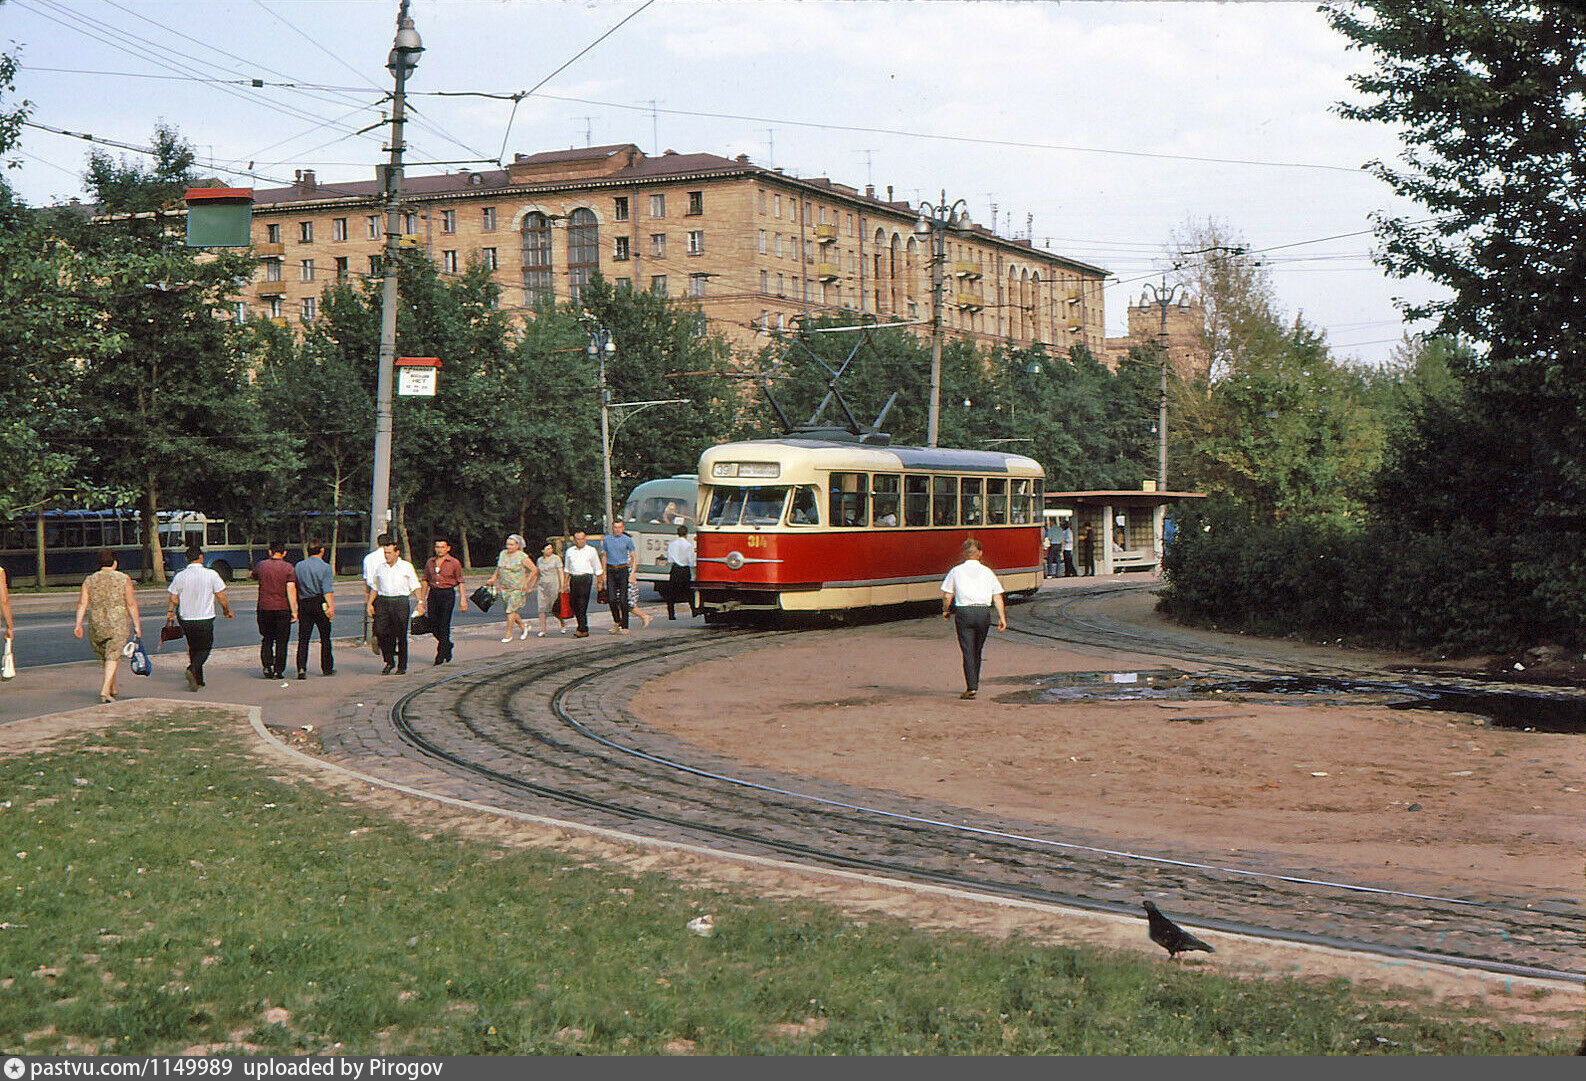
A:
[734, 561]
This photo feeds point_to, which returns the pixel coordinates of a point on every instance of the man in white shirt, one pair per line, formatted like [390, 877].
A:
[370, 563]
[394, 582]
[1068, 550]
[583, 565]
[193, 591]
[969, 593]
[680, 576]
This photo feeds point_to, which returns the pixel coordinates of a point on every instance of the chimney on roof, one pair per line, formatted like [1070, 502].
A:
[870, 191]
[670, 153]
[889, 197]
[743, 159]
[305, 180]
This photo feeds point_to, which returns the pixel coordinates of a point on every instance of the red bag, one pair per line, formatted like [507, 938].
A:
[564, 606]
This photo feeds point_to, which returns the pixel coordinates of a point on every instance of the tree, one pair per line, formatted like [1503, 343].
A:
[1487, 96]
[1233, 289]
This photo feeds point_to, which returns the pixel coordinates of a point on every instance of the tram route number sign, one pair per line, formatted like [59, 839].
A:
[417, 376]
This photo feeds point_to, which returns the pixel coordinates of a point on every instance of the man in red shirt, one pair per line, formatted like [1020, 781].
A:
[277, 609]
[443, 577]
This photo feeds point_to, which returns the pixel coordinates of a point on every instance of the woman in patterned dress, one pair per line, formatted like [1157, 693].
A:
[515, 575]
[111, 605]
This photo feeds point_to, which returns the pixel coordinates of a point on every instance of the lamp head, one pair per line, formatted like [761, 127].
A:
[922, 227]
[405, 49]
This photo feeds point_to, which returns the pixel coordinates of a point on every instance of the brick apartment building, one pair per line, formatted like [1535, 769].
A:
[1180, 329]
[752, 246]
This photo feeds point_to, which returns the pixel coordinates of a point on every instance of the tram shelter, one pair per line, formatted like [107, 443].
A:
[1127, 524]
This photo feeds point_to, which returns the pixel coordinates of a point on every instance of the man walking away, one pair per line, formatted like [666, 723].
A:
[680, 558]
[395, 582]
[1052, 546]
[194, 590]
[316, 605]
[443, 588]
[1068, 551]
[583, 565]
[619, 557]
[969, 593]
[277, 609]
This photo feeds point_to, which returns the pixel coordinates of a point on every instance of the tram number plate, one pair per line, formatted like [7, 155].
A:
[752, 541]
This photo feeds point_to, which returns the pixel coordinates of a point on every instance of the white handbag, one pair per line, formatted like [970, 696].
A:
[8, 666]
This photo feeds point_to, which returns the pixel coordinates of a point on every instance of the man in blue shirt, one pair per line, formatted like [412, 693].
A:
[316, 602]
[619, 558]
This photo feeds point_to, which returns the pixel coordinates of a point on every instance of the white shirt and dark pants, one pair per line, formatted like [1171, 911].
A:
[582, 565]
[393, 584]
[974, 592]
[194, 587]
[680, 558]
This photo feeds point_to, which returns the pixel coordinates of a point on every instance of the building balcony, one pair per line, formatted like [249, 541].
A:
[967, 271]
[826, 233]
[970, 302]
[270, 289]
[263, 249]
[1074, 296]
[827, 272]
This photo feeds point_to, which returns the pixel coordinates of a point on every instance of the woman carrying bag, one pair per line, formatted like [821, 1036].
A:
[108, 600]
[552, 588]
[512, 579]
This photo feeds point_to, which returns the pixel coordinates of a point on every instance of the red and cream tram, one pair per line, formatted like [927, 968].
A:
[806, 524]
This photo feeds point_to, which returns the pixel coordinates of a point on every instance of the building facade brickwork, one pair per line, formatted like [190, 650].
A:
[753, 247]
[1181, 328]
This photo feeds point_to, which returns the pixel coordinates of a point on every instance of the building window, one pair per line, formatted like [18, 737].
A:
[489, 257]
[696, 284]
[338, 228]
[619, 250]
[762, 241]
[373, 223]
[536, 258]
[307, 269]
[780, 290]
[341, 268]
[374, 266]
[696, 202]
[624, 285]
[448, 221]
[658, 245]
[308, 309]
[272, 233]
[272, 270]
[410, 224]
[305, 232]
[276, 308]
[487, 219]
[776, 205]
[658, 206]
[583, 250]
[619, 208]
[762, 200]
[696, 242]
[449, 262]
[765, 281]
[658, 285]
[242, 312]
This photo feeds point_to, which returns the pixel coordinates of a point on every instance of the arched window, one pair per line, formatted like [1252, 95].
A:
[894, 266]
[537, 284]
[877, 260]
[583, 250]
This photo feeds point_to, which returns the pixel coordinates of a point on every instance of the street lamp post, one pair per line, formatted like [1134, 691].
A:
[1164, 298]
[601, 347]
[942, 217]
[404, 58]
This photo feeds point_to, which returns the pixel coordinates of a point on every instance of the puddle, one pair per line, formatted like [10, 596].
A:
[1522, 708]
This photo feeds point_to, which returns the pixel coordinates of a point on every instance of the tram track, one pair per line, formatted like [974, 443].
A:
[555, 734]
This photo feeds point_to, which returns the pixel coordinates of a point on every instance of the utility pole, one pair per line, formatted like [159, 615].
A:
[403, 59]
[942, 217]
[600, 348]
[1164, 298]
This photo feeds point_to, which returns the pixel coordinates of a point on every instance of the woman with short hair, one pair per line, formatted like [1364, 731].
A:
[552, 585]
[108, 599]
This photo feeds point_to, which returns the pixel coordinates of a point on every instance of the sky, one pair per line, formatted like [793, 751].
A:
[1101, 130]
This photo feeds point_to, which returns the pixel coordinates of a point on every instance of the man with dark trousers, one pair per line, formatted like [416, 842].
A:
[582, 564]
[194, 592]
[442, 589]
[316, 606]
[969, 593]
[393, 583]
[618, 560]
[277, 609]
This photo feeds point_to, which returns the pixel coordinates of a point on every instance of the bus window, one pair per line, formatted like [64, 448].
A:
[944, 500]
[215, 534]
[763, 506]
[847, 499]
[970, 504]
[996, 501]
[13, 536]
[916, 500]
[884, 499]
[630, 512]
[805, 509]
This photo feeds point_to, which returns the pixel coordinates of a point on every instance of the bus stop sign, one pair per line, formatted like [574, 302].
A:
[416, 376]
[219, 217]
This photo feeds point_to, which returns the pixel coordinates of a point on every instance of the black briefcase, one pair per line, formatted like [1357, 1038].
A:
[420, 624]
[482, 598]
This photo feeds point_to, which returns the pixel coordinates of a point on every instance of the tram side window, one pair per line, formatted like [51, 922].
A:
[996, 501]
[805, 509]
[944, 500]
[916, 500]
[884, 499]
[847, 499]
[971, 504]
[1021, 502]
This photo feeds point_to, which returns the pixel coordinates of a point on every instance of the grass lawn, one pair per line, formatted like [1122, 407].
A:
[161, 890]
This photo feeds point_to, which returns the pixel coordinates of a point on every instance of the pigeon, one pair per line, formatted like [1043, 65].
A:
[1169, 935]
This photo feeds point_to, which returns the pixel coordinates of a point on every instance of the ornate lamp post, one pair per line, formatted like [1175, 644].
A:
[403, 59]
[601, 348]
[942, 217]
[1166, 297]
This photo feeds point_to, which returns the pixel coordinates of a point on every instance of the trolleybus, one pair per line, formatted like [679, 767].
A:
[813, 524]
[653, 512]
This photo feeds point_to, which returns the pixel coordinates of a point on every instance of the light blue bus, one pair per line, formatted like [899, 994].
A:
[652, 514]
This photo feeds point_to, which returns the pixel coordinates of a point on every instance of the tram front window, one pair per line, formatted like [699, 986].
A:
[746, 506]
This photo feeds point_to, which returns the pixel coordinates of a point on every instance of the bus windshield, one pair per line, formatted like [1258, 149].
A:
[746, 506]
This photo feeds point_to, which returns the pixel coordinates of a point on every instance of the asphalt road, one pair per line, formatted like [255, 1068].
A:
[44, 624]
